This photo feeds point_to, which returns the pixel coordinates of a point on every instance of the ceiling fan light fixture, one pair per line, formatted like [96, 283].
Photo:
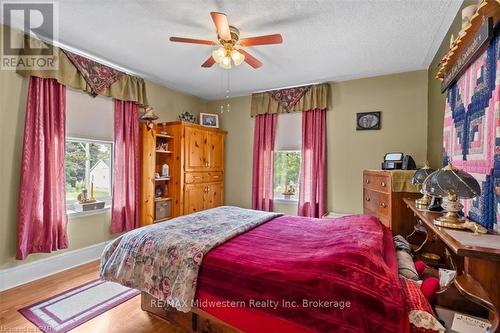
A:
[237, 57]
[230, 45]
[219, 54]
[225, 63]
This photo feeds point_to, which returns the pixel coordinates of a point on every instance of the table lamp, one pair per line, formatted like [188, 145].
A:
[451, 184]
[418, 179]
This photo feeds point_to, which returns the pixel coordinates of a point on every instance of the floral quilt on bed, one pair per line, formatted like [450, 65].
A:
[163, 259]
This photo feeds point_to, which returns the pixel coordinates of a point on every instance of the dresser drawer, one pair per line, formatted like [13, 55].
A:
[377, 202]
[377, 181]
[203, 177]
[383, 205]
[384, 219]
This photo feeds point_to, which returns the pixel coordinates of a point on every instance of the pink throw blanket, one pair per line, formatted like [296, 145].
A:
[307, 271]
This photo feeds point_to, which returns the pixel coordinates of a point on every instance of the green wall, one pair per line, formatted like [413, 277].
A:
[436, 100]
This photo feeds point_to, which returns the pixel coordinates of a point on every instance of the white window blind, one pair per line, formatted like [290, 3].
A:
[288, 131]
[88, 117]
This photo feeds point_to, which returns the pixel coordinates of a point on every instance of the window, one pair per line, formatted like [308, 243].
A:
[87, 163]
[89, 148]
[287, 156]
[286, 174]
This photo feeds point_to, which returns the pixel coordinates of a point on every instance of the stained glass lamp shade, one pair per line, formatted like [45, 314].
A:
[418, 179]
[451, 184]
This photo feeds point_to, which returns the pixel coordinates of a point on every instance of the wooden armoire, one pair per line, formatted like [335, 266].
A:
[195, 158]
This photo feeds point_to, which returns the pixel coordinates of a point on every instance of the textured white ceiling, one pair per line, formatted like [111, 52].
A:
[323, 40]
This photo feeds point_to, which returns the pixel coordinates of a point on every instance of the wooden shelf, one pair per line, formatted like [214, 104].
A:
[166, 136]
[164, 151]
[161, 179]
[487, 8]
[162, 199]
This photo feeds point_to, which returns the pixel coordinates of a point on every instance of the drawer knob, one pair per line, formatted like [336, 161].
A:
[383, 184]
[367, 199]
[383, 205]
[367, 181]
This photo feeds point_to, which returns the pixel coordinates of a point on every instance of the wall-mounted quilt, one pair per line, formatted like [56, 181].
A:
[472, 132]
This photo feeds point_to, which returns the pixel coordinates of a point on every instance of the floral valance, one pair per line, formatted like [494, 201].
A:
[295, 99]
[90, 76]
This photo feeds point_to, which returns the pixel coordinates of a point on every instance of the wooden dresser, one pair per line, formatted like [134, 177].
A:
[195, 158]
[383, 198]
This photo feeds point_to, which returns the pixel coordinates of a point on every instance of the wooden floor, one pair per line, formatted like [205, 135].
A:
[126, 317]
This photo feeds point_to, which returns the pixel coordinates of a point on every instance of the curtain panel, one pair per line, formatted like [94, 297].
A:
[263, 162]
[41, 225]
[126, 87]
[313, 97]
[312, 190]
[125, 202]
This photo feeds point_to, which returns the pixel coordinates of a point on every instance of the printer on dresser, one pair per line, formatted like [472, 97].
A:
[383, 193]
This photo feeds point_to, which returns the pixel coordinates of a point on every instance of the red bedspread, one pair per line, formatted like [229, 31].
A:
[327, 275]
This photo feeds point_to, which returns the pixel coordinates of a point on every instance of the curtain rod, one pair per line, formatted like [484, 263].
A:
[288, 87]
[87, 55]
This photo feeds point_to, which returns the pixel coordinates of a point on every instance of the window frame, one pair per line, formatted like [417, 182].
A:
[282, 199]
[107, 201]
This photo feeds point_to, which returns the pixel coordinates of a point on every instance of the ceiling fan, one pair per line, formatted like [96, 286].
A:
[230, 46]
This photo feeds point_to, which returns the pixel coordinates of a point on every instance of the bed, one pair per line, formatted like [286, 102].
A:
[243, 270]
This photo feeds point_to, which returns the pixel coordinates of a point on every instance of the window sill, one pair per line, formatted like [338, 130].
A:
[287, 201]
[72, 214]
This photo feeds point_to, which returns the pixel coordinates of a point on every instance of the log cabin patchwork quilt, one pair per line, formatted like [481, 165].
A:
[472, 132]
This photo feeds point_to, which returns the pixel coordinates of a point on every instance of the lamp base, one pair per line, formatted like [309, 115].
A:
[451, 220]
[423, 202]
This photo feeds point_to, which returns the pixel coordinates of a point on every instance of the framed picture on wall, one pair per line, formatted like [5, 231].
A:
[209, 120]
[368, 120]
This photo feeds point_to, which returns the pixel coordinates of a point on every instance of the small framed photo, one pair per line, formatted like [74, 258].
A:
[368, 120]
[209, 120]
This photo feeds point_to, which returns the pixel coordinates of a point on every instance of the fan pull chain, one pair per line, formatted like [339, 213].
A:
[227, 91]
[221, 89]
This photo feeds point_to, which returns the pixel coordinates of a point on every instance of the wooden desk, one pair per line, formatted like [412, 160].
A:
[478, 267]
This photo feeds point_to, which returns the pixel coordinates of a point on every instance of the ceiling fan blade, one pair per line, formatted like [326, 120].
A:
[221, 24]
[209, 62]
[262, 40]
[251, 60]
[191, 40]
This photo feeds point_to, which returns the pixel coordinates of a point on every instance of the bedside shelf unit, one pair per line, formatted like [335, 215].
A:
[155, 152]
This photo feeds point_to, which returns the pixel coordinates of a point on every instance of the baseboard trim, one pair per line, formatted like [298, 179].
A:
[18, 275]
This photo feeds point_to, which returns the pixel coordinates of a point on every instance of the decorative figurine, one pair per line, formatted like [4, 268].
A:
[158, 192]
[186, 116]
[165, 170]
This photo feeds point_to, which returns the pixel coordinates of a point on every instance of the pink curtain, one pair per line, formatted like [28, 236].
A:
[263, 161]
[312, 190]
[125, 206]
[42, 220]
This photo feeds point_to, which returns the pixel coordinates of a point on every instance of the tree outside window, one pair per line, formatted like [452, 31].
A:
[286, 174]
[88, 161]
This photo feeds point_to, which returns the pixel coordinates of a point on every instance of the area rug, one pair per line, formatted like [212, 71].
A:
[65, 311]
